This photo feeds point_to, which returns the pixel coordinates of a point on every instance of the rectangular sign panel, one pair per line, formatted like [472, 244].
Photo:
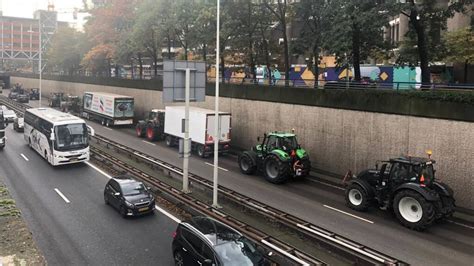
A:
[174, 80]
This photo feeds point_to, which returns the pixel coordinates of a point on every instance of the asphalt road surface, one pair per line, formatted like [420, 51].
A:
[447, 243]
[76, 227]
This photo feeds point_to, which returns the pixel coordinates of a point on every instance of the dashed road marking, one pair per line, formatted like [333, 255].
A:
[24, 157]
[147, 142]
[223, 169]
[460, 224]
[62, 195]
[350, 214]
[108, 128]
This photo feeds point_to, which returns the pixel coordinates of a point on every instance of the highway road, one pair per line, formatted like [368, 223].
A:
[447, 243]
[442, 244]
[76, 227]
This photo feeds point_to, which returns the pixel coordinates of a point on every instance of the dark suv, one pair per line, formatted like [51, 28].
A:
[205, 241]
[129, 196]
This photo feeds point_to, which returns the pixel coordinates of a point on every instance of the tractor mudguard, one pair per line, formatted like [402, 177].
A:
[283, 156]
[428, 194]
[141, 123]
[252, 155]
[443, 189]
[364, 185]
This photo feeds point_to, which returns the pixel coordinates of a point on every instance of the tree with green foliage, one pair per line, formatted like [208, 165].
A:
[185, 14]
[315, 23]
[460, 47]
[427, 20]
[67, 48]
[355, 29]
[282, 12]
[205, 27]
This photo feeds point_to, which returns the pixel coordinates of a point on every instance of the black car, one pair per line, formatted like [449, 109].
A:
[23, 98]
[12, 95]
[129, 196]
[205, 241]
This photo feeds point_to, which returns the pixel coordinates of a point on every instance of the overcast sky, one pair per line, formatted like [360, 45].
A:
[25, 8]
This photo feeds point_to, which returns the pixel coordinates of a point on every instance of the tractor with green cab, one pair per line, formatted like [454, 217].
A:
[278, 156]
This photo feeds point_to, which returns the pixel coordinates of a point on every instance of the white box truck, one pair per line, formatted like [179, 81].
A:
[109, 109]
[201, 129]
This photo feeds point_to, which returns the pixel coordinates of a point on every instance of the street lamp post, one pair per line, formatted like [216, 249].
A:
[216, 116]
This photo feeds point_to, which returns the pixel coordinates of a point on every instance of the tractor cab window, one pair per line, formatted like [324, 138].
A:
[153, 115]
[428, 173]
[272, 143]
[399, 172]
[288, 143]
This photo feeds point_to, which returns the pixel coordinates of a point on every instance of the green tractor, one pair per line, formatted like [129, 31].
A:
[279, 157]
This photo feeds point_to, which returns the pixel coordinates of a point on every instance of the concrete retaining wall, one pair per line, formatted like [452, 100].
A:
[336, 139]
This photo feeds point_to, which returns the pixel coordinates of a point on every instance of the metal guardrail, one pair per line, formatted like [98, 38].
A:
[343, 244]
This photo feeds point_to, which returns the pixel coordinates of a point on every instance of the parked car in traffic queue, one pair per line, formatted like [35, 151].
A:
[23, 98]
[205, 241]
[9, 115]
[129, 196]
[18, 124]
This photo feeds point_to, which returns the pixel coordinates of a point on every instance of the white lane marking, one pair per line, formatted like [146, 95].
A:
[62, 195]
[147, 142]
[24, 157]
[223, 169]
[300, 261]
[326, 184]
[99, 170]
[108, 128]
[350, 214]
[156, 206]
[460, 224]
[172, 217]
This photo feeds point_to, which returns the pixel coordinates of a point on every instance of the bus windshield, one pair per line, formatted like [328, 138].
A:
[71, 137]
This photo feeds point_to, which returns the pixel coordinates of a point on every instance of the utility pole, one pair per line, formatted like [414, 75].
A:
[216, 118]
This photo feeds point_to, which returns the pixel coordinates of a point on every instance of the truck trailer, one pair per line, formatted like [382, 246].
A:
[107, 108]
[201, 128]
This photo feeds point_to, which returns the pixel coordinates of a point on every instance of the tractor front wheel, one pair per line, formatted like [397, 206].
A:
[356, 198]
[413, 210]
[246, 164]
[275, 170]
[139, 130]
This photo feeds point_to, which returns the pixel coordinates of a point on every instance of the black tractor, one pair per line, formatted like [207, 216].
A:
[153, 126]
[408, 186]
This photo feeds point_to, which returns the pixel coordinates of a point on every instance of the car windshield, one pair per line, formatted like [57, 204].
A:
[238, 252]
[71, 137]
[8, 113]
[131, 189]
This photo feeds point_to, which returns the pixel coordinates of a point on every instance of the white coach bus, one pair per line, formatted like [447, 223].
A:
[60, 138]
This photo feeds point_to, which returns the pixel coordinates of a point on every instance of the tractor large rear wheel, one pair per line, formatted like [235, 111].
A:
[246, 164]
[413, 210]
[275, 170]
[151, 133]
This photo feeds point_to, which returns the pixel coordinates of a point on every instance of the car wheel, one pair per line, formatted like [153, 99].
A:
[123, 212]
[106, 200]
[413, 210]
[178, 259]
[356, 198]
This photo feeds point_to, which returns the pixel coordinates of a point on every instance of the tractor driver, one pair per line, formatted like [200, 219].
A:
[286, 144]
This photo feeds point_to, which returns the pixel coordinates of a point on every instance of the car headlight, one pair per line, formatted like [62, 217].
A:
[130, 205]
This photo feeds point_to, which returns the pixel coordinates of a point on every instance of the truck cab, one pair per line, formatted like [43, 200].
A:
[3, 125]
